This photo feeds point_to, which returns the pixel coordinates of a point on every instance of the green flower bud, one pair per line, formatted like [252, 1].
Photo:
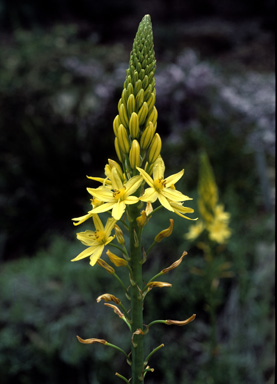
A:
[117, 150]
[139, 98]
[145, 82]
[123, 140]
[155, 148]
[151, 101]
[147, 136]
[123, 115]
[138, 86]
[148, 92]
[116, 124]
[134, 125]
[152, 116]
[124, 97]
[130, 89]
[142, 114]
[141, 76]
[134, 155]
[131, 104]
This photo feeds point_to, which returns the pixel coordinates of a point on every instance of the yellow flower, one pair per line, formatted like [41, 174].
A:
[221, 215]
[214, 219]
[95, 240]
[219, 231]
[195, 230]
[161, 188]
[116, 197]
[79, 220]
[179, 209]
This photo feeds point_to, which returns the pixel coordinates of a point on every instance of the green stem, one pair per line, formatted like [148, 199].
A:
[123, 250]
[120, 282]
[117, 348]
[152, 353]
[151, 246]
[136, 298]
[122, 377]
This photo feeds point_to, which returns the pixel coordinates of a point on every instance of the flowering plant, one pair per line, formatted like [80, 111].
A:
[127, 192]
[211, 234]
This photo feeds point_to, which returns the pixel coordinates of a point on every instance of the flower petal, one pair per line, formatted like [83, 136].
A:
[133, 184]
[103, 208]
[97, 223]
[102, 194]
[109, 226]
[81, 219]
[87, 238]
[146, 177]
[96, 254]
[109, 240]
[150, 195]
[158, 169]
[100, 179]
[118, 210]
[131, 200]
[163, 200]
[174, 178]
[173, 194]
[87, 252]
[116, 181]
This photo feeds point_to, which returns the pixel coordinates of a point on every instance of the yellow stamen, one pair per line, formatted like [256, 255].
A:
[159, 184]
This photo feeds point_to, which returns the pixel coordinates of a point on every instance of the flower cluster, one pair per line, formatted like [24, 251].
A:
[213, 217]
[138, 148]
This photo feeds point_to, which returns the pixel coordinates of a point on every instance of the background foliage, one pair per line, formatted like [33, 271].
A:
[61, 72]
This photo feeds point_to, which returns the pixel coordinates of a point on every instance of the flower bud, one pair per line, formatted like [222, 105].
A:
[91, 341]
[139, 98]
[142, 219]
[153, 115]
[138, 86]
[147, 136]
[124, 97]
[116, 310]
[116, 124]
[123, 140]
[108, 297]
[112, 164]
[142, 114]
[119, 234]
[148, 92]
[149, 208]
[131, 104]
[165, 233]
[134, 125]
[145, 81]
[134, 155]
[175, 264]
[130, 89]
[151, 101]
[117, 150]
[106, 266]
[123, 115]
[136, 77]
[155, 148]
[180, 323]
[159, 284]
[117, 261]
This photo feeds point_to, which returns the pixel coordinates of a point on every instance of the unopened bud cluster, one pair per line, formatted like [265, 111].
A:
[136, 141]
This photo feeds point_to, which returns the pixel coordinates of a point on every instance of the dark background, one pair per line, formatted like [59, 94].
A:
[62, 66]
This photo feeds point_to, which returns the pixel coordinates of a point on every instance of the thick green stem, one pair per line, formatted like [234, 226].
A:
[136, 298]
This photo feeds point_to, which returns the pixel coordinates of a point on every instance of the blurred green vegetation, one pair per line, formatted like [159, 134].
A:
[59, 90]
